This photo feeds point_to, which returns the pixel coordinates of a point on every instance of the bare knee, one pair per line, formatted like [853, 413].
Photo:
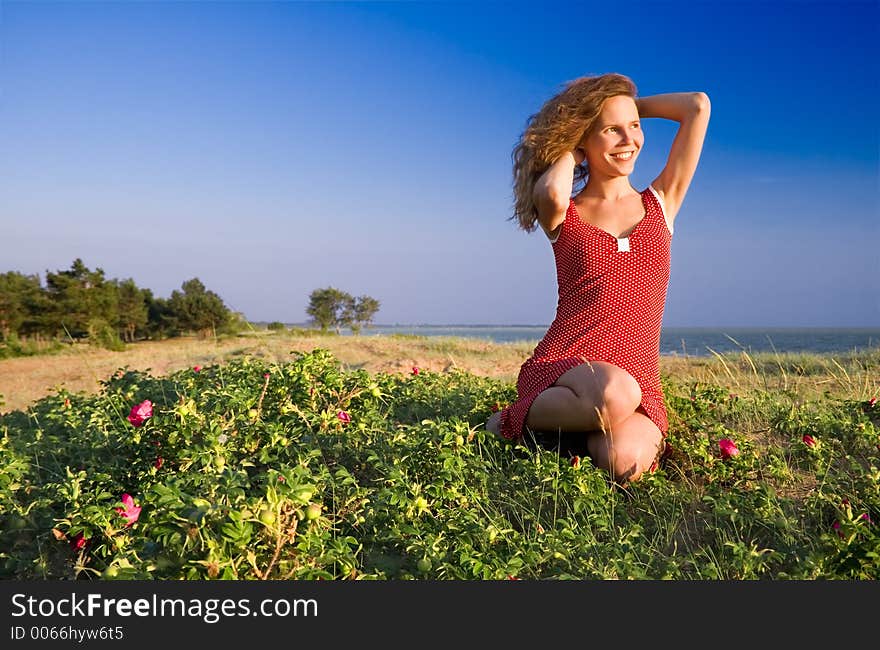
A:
[605, 394]
[621, 396]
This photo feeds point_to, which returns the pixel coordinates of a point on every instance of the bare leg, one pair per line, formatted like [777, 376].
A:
[591, 396]
[629, 449]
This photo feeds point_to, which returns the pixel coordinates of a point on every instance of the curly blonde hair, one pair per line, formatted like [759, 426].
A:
[563, 121]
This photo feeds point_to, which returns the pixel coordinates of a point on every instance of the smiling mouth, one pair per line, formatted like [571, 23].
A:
[623, 156]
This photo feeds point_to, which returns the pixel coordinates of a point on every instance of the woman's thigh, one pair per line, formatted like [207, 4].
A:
[603, 385]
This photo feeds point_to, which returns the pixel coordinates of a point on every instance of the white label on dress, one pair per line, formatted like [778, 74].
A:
[623, 245]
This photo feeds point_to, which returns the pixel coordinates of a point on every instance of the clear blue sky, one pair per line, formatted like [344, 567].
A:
[273, 148]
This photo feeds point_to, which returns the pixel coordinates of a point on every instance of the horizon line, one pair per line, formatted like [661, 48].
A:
[545, 326]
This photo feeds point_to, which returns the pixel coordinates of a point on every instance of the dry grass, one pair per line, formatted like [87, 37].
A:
[26, 379]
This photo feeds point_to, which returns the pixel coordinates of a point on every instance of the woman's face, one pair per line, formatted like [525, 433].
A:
[618, 130]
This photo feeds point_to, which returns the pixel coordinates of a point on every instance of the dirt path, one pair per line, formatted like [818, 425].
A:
[24, 380]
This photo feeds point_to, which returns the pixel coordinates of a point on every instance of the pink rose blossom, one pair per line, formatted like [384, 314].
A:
[836, 526]
[158, 463]
[728, 448]
[78, 542]
[872, 401]
[809, 440]
[140, 413]
[131, 512]
[265, 375]
[196, 368]
[415, 370]
[345, 417]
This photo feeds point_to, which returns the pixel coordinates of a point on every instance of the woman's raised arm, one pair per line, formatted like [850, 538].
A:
[691, 110]
[552, 190]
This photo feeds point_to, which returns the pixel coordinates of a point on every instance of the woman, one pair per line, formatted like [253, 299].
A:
[592, 385]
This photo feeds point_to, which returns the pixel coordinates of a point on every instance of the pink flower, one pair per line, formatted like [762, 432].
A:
[415, 370]
[78, 542]
[265, 375]
[836, 526]
[872, 401]
[131, 512]
[728, 448]
[158, 463]
[809, 440]
[140, 412]
[196, 368]
[345, 417]
[575, 461]
[281, 478]
[866, 517]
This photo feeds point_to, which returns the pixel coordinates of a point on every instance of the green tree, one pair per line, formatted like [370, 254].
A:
[21, 298]
[197, 309]
[331, 307]
[161, 322]
[83, 301]
[326, 307]
[131, 309]
[359, 312]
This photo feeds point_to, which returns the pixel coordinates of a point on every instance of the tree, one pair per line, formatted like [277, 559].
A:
[198, 309]
[160, 319]
[359, 312]
[325, 307]
[332, 307]
[20, 300]
[83, 301]
[131, 309]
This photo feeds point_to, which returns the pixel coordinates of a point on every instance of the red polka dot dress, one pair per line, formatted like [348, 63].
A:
[611, 298]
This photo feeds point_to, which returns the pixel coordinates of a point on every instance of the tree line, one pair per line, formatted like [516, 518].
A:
[83, 304]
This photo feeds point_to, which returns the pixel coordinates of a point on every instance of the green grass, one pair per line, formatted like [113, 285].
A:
[413, 487]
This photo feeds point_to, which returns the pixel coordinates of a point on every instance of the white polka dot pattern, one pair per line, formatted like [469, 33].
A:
[610, 309]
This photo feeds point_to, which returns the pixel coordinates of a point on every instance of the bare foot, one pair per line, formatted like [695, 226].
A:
[493, 424]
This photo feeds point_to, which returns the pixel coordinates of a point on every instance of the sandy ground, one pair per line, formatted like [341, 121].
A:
[24, 380]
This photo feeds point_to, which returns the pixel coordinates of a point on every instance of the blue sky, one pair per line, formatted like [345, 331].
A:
[270, 149]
